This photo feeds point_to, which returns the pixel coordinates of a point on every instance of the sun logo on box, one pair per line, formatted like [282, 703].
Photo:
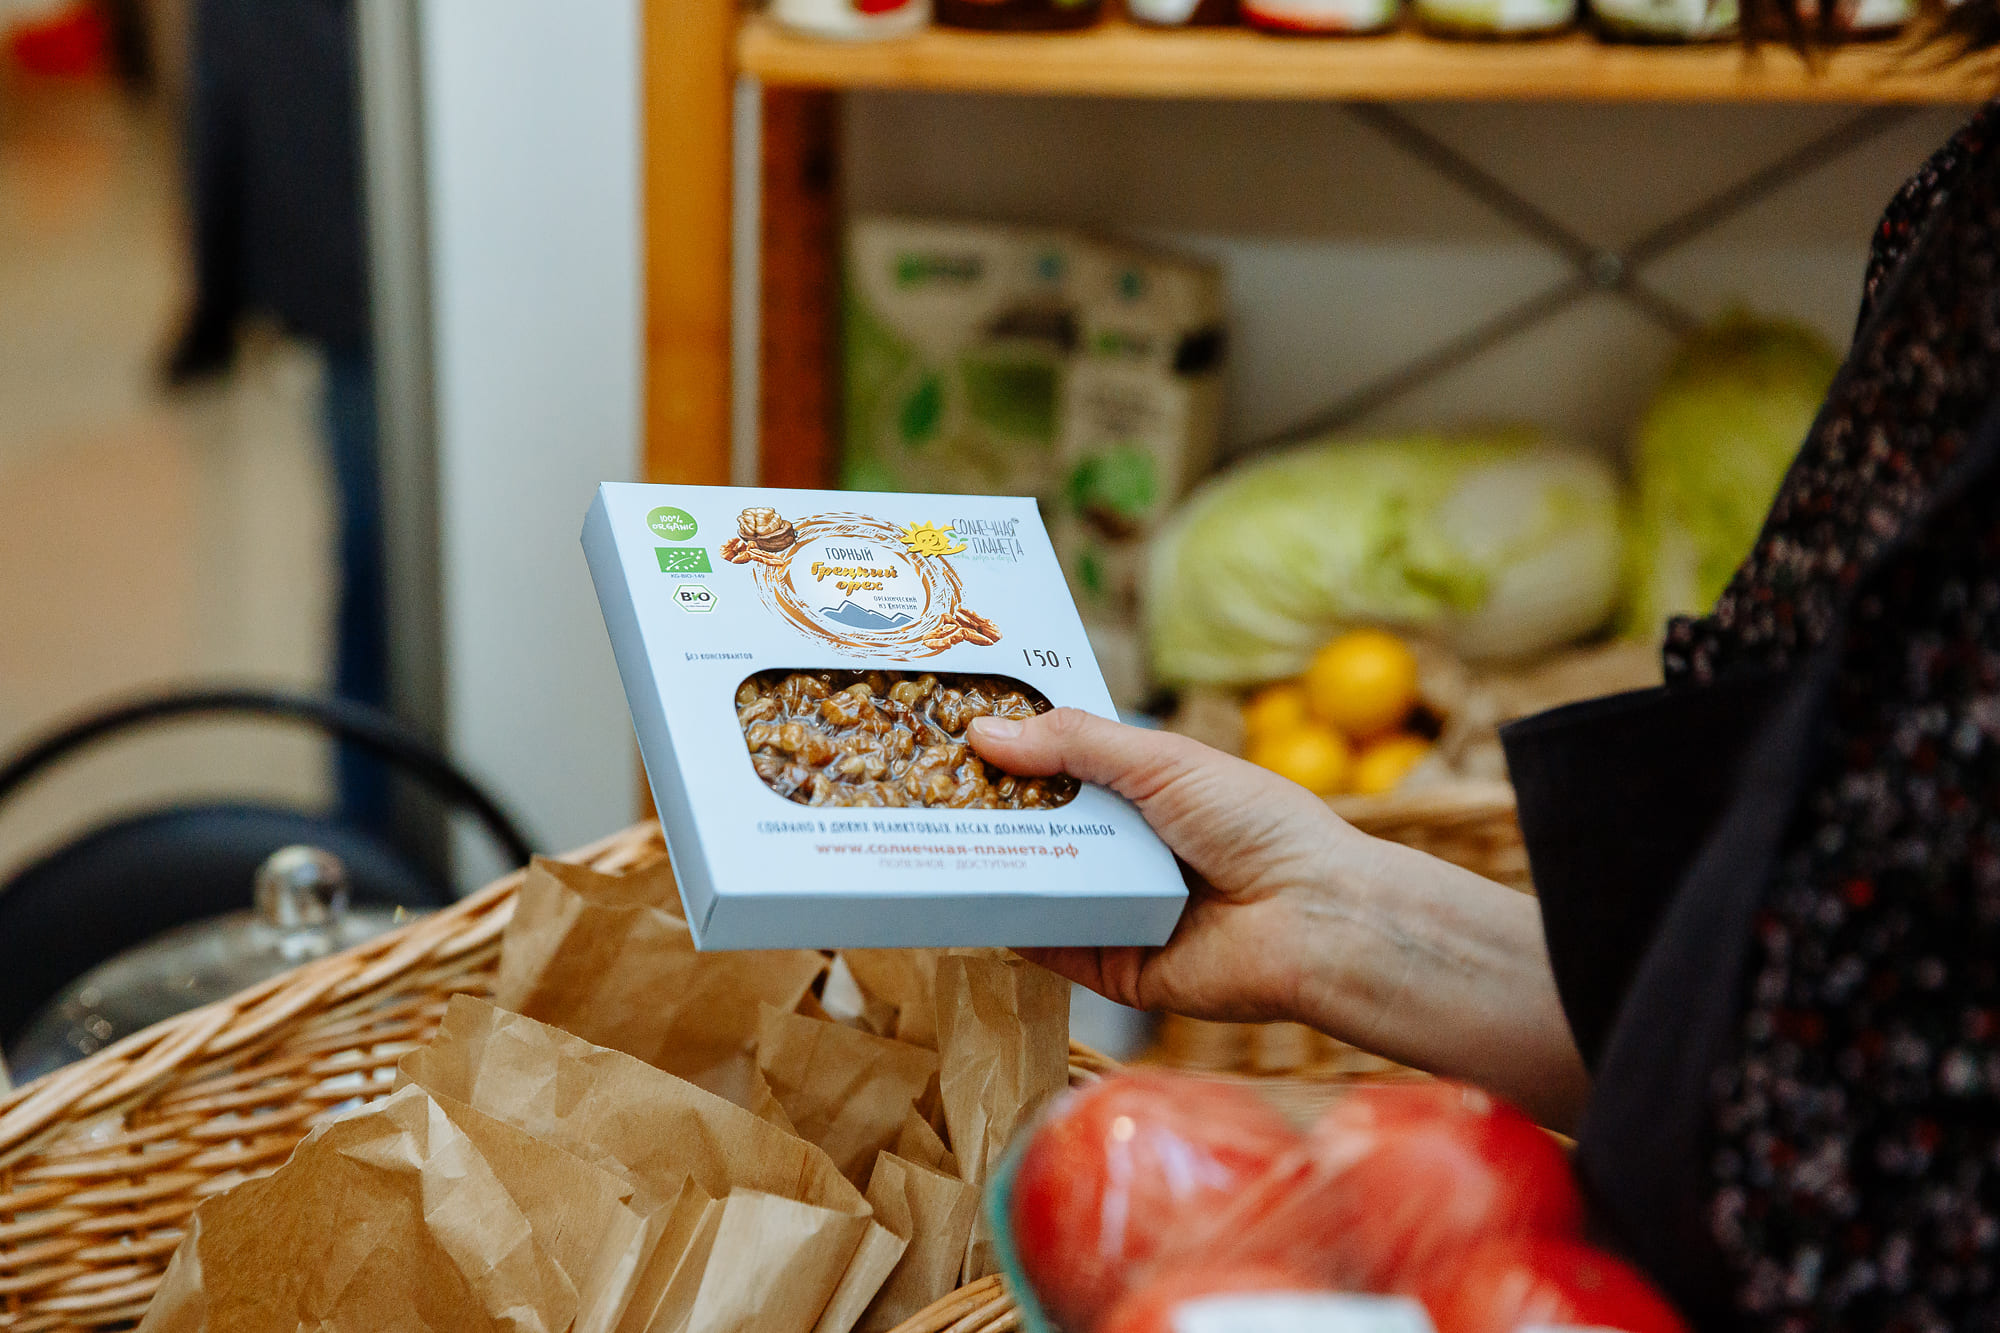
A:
[930, 539]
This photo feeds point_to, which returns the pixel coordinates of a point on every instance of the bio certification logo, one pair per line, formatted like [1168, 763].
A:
[672, 525]
[683, 559]
[693, 597]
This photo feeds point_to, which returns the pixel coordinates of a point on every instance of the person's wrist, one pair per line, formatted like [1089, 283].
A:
[1340, 939]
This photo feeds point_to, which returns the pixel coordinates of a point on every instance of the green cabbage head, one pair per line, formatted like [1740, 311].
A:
[1501, 546]
[1712, 449]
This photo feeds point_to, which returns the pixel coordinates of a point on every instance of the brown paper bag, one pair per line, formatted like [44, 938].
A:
[610, 959]
[918, 1142]
[842, 999]
[785, 1223]
[843, 1089]
[874, 1260]
[619, 1113]
[935, 1211]
[389, 1218]
[902, 979]
[764, 1104]
[759, 1264]
[697, 1285]
[1003, 1041]
[580, 1214]
[686, 1240]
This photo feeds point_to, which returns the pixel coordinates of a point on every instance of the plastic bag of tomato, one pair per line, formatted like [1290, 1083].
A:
[1160, 1203]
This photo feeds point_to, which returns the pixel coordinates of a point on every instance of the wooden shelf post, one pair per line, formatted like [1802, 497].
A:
[799, 296]
[690, 65]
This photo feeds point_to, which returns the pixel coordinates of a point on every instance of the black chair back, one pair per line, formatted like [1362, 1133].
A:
[127, 881]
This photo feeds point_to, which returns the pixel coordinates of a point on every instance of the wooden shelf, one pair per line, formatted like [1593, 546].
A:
[1118, 59]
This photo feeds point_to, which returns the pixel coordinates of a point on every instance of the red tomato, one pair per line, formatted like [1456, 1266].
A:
[1121, 1168]
[1150, 1308]
[1545, 1282]
[1397, 1182]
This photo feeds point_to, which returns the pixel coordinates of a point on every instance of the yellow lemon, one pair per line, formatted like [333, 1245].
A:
[1275, 709]
[1315, 757]
[1364, 683]
[1383, 766]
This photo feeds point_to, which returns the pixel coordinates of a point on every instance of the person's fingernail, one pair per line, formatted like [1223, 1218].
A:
[997, 728]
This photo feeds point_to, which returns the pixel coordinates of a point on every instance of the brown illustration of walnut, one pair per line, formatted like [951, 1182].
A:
[766, 530]
[876, 738]
[971, 619]
[975, 628]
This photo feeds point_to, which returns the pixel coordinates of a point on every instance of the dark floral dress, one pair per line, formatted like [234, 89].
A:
[1854, 1165]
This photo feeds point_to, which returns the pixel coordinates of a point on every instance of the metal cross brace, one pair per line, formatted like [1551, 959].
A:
[1597, 269]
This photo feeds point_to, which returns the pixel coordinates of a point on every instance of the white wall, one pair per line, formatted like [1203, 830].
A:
[1344, 259]
[532, 123]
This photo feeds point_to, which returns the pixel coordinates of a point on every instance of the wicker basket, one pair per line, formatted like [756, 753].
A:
[1470, 824]
[1467, 821]
[103, 1162]
[1463, 811]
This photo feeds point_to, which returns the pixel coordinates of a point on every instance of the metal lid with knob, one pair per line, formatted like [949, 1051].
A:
[301, 892]
[301, 913]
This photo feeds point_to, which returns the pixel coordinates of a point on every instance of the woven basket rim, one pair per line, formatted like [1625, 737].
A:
[125, 1073]
[1459, 799]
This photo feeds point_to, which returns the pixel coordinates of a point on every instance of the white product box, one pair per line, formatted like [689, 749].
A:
[780, 604]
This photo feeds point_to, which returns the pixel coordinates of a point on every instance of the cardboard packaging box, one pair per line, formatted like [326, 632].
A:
[1141, 414]
[1041, 362]
[956, 339]
[801, 667]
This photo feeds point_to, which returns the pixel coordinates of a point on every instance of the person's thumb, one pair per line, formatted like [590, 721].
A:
[1134, 762]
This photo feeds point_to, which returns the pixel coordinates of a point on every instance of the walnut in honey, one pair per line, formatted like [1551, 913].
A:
[887, 738]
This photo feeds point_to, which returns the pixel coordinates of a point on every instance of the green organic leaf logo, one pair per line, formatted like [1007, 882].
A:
[671, 524]
[683, 559]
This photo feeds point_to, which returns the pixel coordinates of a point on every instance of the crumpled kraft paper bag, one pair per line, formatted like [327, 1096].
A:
[610, 959]
[842, 1088]
[686, 1239]
[843, 999]
[582, 1215]
[935, 1211]
[678, 1291]
[782, 1223]
[918, 1142]
[904, 980]
[389, 1218]
[1003, 1042]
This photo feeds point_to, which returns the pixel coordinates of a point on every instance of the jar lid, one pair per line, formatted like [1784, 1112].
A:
[301, 913]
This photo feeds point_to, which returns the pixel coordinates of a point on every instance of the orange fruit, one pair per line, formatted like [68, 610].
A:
[1317, 758]
[1364, 683]
[1383, 766]
[1274, 709]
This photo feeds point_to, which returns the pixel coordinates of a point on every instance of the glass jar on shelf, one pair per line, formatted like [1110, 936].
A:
[1495, 18]
[1322, 17]
[1665, 21]
[1019, 15]
[1182, 13]
[852, 20]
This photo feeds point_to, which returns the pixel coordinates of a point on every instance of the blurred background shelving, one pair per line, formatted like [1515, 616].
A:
[1121, 59]
[1240, 147]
